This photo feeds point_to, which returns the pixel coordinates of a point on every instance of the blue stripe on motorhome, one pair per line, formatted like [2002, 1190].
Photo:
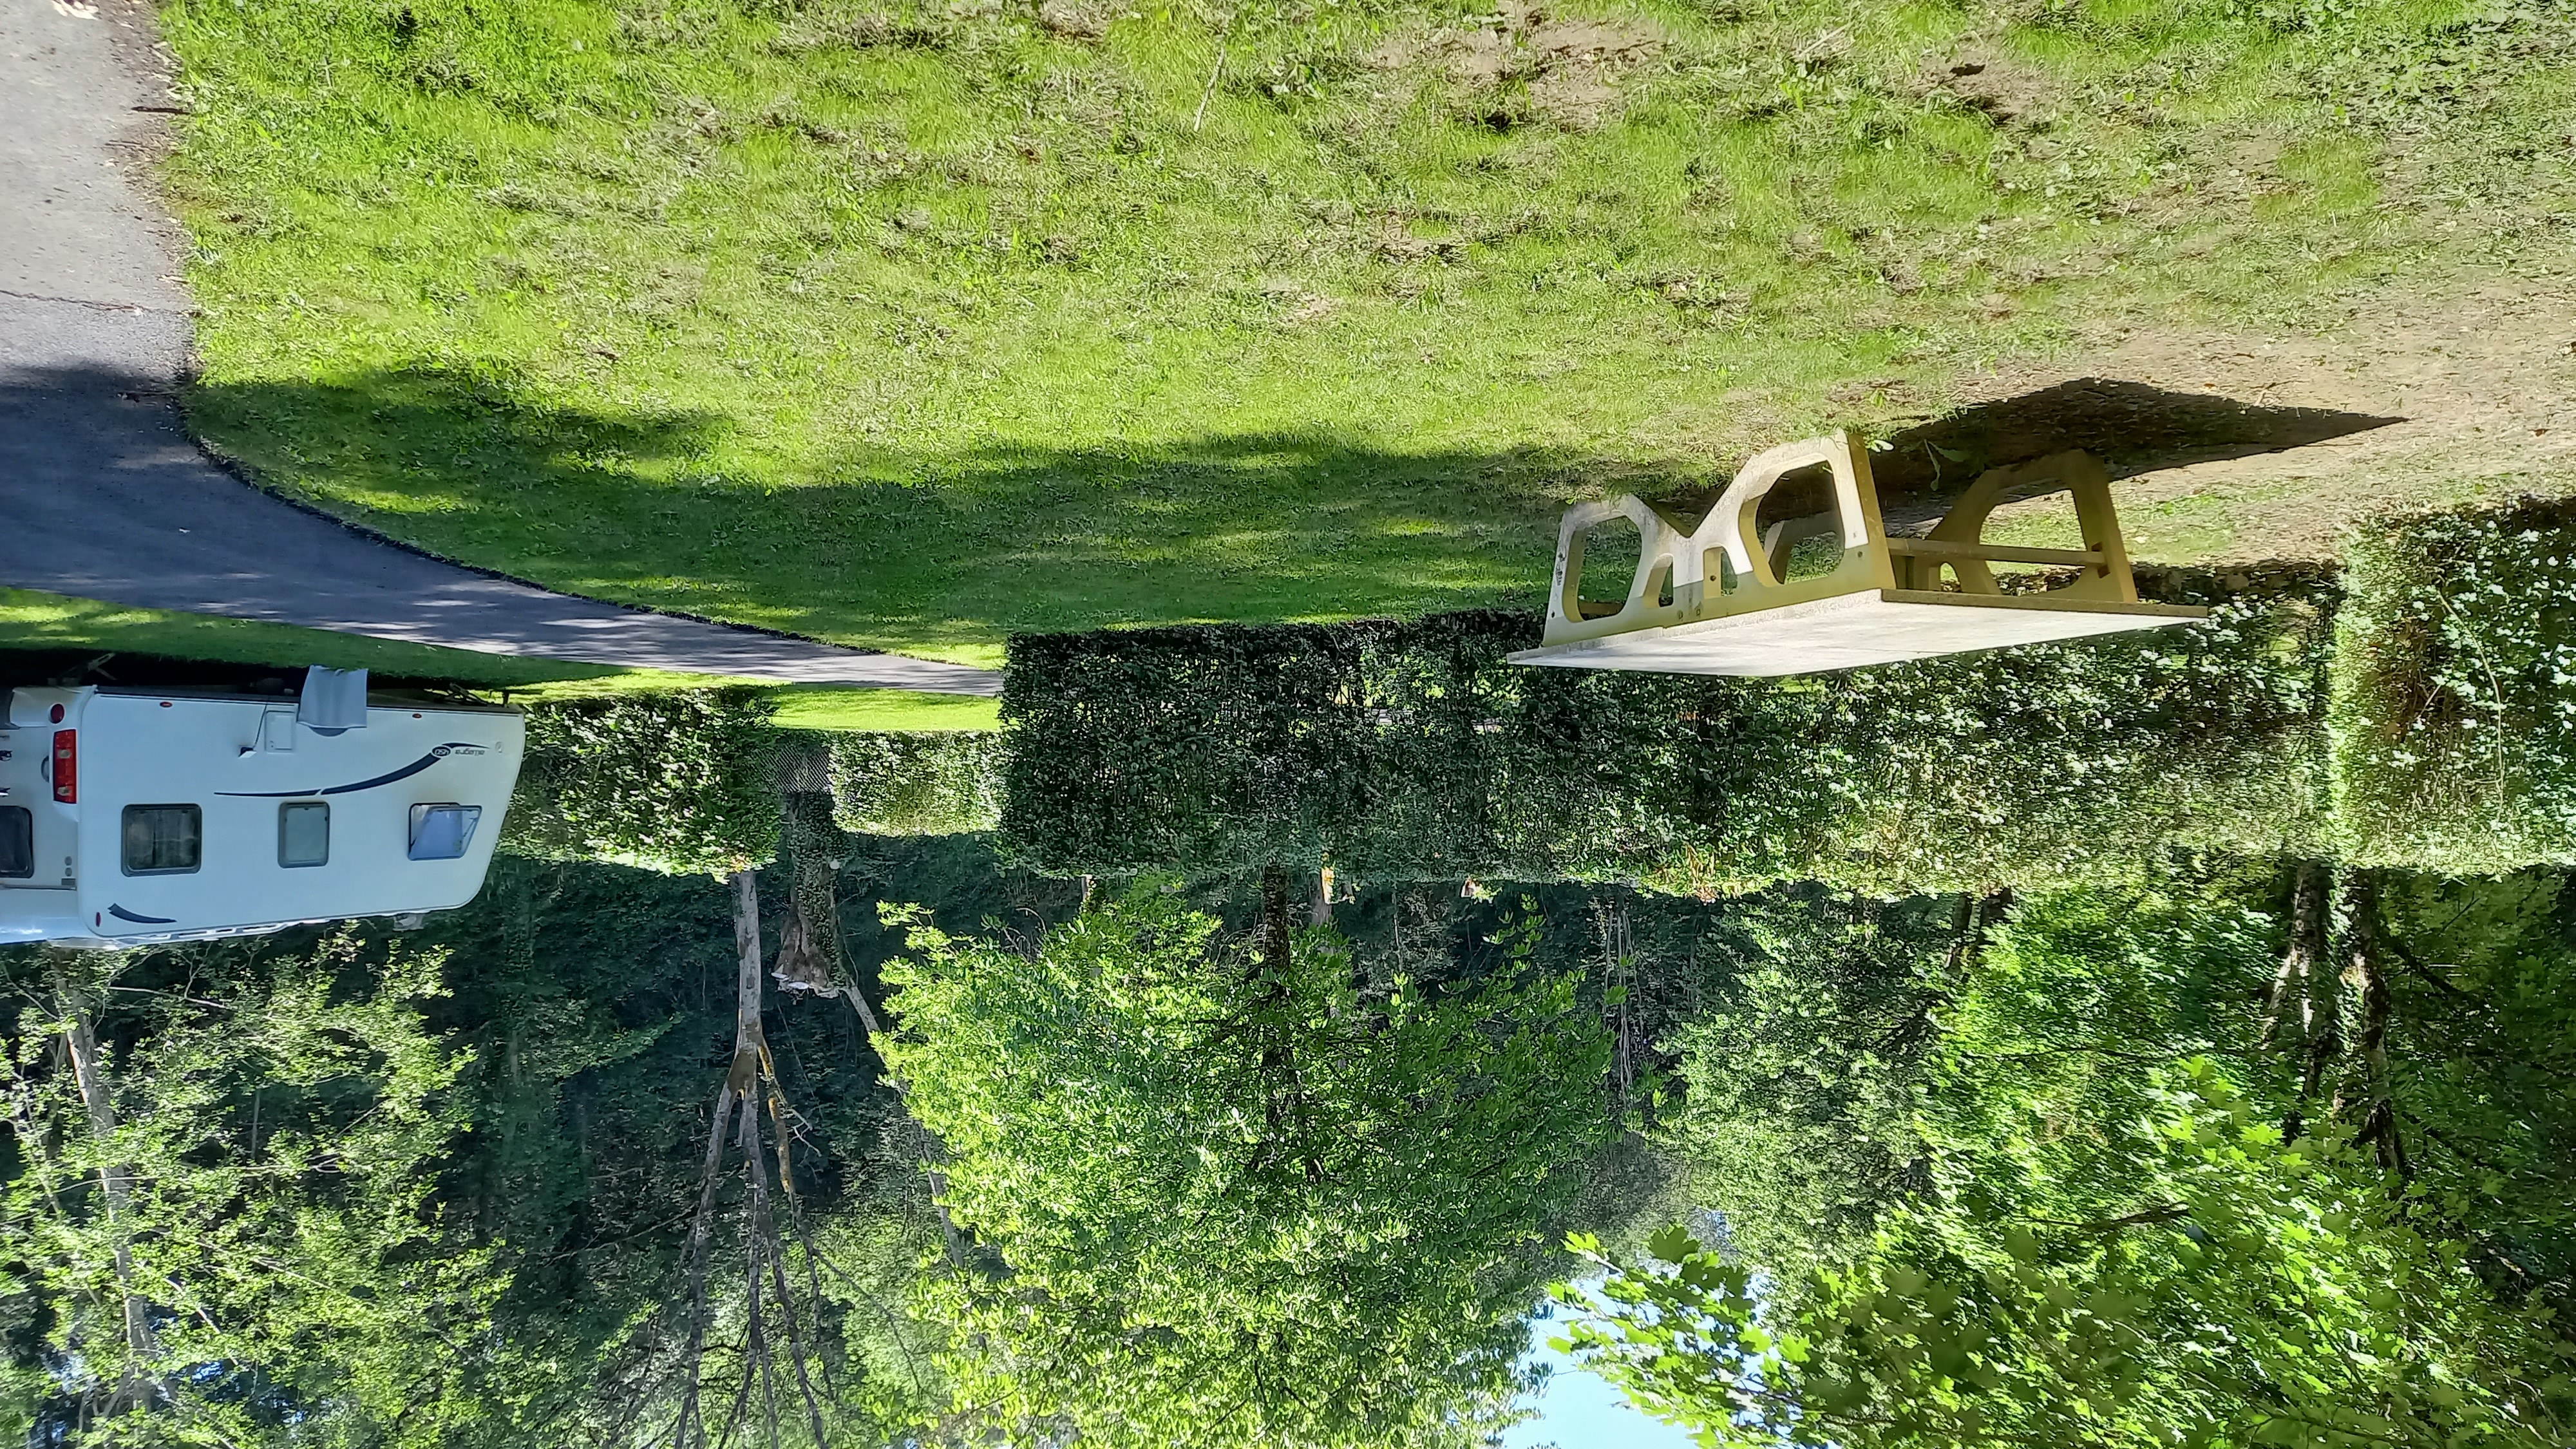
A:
[405, 773]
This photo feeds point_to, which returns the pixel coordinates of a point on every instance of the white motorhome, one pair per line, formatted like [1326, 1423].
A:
[132, 817]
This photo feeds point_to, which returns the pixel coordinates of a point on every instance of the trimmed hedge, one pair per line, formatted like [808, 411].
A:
[944, 783]
[1396, 751]
[2454, 691]
[681, 783]
[2086, 761]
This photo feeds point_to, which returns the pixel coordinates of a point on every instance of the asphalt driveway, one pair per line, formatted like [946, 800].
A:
[102, 493]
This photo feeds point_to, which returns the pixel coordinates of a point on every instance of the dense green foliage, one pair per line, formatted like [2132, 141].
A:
[2454, 721]
[2122, 1225]
[1972, 1162]
[945, 783]
[1802, 1079]
[235, 1216]
[2482, 1051]
[913, 324]
[430, 1188]
[682, 783]
[1394, 751]
[2179, 1278]
[1232, 1198]
[1413, 751]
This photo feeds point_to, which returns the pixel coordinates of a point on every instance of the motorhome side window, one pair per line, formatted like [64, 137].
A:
[163, 839]
[304, 833]
[440, 832]
[17, 842]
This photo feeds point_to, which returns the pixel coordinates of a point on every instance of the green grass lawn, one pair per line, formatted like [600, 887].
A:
[31, 621]
[911, 326]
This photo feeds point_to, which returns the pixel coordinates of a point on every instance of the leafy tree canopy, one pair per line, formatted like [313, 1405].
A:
[2123, 1236]
[1227, 1197]
[229, 1226]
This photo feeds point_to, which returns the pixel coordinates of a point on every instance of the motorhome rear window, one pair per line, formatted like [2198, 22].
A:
[163, 839]
[440, 832]
[17, 842]
[304, 833]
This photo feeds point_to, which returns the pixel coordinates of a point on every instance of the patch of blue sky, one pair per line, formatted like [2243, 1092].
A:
[1577, 1409]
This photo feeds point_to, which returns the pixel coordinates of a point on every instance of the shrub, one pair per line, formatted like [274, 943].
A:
[1397, 751]
[2081, 762]
[2453, 724]
[944, 783]
[1392, 751]
[1149, 748]
[680, 783]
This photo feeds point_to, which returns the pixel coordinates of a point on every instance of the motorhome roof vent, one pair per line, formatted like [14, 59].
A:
[334, 700]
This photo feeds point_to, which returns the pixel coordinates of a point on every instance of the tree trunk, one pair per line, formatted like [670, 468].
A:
[809, 945]
[1973, 922]
[1618, 977]
[701, 1228]
[1278, 1051]
[116, 1188]
[2305, 953]
[751, 1088]
[2322, 1013]
[747, 1038]
[2379, 1120]
[1274, 921]
[1274, 965]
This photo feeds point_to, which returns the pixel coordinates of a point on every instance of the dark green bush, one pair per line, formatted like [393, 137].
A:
[1474, 766]
[943, 783]
[1391, 751]
[1395, 751]
[2453, 715]
[1144, 749]
[681, 783]
[2085, 761]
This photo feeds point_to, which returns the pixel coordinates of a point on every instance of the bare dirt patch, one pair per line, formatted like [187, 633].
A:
[1068, 20]
[1985, 79]
[2468, 393]
[1520, 64]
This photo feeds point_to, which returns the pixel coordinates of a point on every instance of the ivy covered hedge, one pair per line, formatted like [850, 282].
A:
[943, 783]
[1413, 751]
[2084, 761]
[682, 783]
[2454, 692]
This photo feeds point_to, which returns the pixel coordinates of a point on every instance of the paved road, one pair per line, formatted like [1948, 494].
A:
[103, 496]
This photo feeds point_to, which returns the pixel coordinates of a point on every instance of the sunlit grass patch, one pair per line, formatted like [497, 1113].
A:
[886, 711]
[32, 620]
[127, 641]
[814, 316]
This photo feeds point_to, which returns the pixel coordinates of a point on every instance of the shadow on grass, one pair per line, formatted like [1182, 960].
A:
[2132, 426]
[24, 665]
[888, 549]
[955, 550]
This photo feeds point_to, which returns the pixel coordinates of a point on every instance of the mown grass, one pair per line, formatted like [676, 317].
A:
[912, 325]
[33, 620]
[52, 623]
[884, 711]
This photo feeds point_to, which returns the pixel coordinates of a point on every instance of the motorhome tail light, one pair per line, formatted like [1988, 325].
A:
[67, 767]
